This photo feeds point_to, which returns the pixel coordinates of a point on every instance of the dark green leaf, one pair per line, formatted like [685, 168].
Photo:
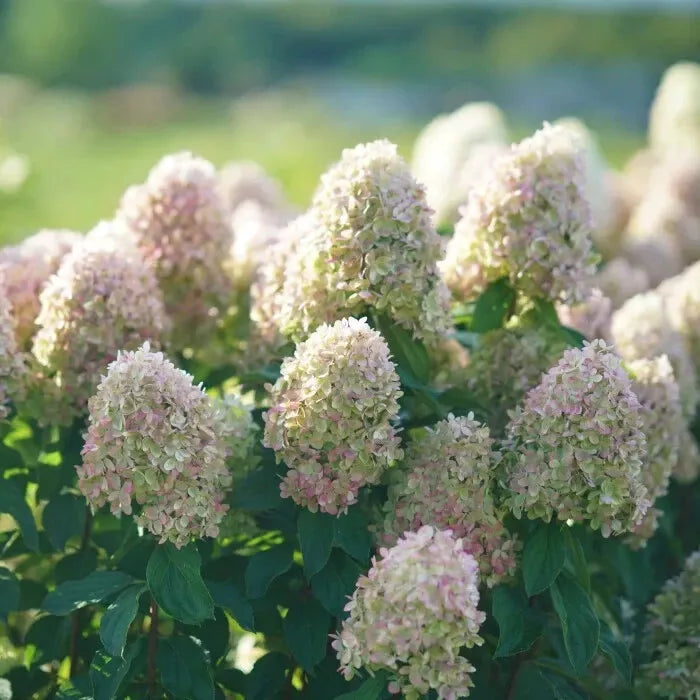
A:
[49, 636]
[410, 355]
[334, 584]
[531, 685]
[28, 683]
[264, 567]
[230, 597]
[77, 565]
[579, 622]
[573, 337]
[616, 650]
[213, 634]
[577, 559]
[9, 592]
[351, 534]
[518, 627]
[493, 306]
[71, 595]
[107, 672]
[63, 518]
[372, 689]
[118, 618]
[543, 557]
[259, 490]
[315, 532]
[561, 688]
[184, 670]
[13, 503]
[268, 677]
[77, 688]
[306, 629]
[174, 579]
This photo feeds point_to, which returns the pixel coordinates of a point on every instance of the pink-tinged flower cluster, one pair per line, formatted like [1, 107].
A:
[662, 423]
[331, 416]
[576, 446]
[673, 637]
[591, 317]
[246, 181]
[411, 615]
[12, 366]
[619, 280]
[528, 220]
[641, 328]
[179, 225]
[447, 482]
[25, 269]
[102, 299]
[156, 447]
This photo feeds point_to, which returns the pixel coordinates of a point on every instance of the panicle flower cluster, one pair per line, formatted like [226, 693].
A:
[687, 468]
[449, 361]
[641, 328]
[179, 225]
[102, 299]
[590, 317]
[662, 423]
[619, 280]
[411, 615]
[577, 446]
[331, 415]
[657, 253]
[239, 429]
[447, 482]
[12, 366]
[156, 446]
[25, 269]
[529, 220]
[444, 149]
[246, 181]
[673, 636]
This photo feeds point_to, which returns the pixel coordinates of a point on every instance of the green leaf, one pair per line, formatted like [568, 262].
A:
[13, 503]
[10, 592]
[268, 677]
[579, 622]
[517, 625]
[63, 518]
[49, 637]
[71, 595]
[118, 618]
[577, 559]
[315, 532]
[543, 557]
[616, 650]
[561, 688]
[351, 534]
[334, 584]
[213, 634]
[184, 670]
[107, 672]
[259, 490]
[372, 689]
[306, 628]
[410, 355]
[493, 306]
[264, 567]
[230, 597]
[174, 579]
[530, 685]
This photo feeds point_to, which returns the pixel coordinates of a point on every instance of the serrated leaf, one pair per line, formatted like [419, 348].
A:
[230, 597]
[264, 567]
[184, 670]
[616, 650]
[543, 557]
[518, 628]
[334, 584]
[107, 672]
[63, 518]
[174, 579]
[71, 595]
[306, 629]
[10, 592]
[315, 532]
[372, 689]
[351, 534]
[118, 618]
[13, 503]
[579, 623]
[493, 306]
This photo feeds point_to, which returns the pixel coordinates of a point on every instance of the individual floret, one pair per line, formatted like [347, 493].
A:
[331, 416]
[577, 446]
[412, 614]
[447, 482]
[528, 220]
[156, 446]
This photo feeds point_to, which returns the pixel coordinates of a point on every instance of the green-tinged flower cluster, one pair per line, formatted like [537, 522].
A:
[673, 637]
[412, 614]
[102, 299]
[662, 423]
[446, 481]
[12, 366]
[576, 445]
[331, 415]
[619, 280]
[179, 225]
[590, 317]
[641, 328]
[687, 468]
[157, 445]
[528, 220]
[25, 269]
[246, 181]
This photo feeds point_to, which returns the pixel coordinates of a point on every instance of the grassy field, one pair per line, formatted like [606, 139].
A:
[84, 152]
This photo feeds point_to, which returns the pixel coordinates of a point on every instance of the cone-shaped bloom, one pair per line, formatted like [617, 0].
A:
[673, 637]
[528, 220]
[619, 280]
[102, 299]
[577, 446]
[156, 446]
[12, 367]
[331, 415]
[411, 615]
[179, 225]
[688, 467]
[447, 482]
[246, 181]
[590, 317]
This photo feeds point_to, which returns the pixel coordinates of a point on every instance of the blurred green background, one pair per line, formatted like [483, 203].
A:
[92, 93]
